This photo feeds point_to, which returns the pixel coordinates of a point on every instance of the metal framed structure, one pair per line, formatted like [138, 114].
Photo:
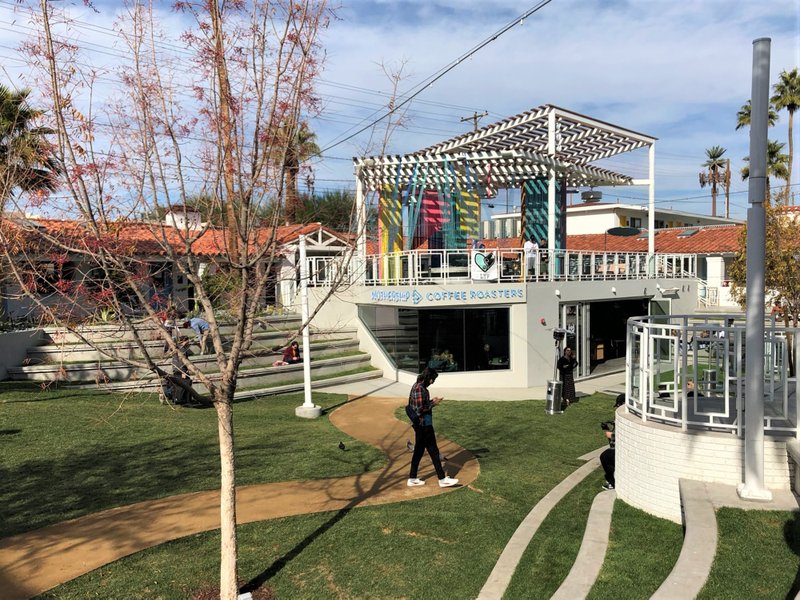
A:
[547, 142]
[690, 371]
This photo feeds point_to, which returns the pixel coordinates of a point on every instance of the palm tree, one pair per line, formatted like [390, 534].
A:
[714, 163]
[300, 147]
[743, 116]
[787, 95]
[27, 162]
[777, 164]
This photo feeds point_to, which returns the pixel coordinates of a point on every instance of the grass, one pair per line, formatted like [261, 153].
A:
[642, 550]
[523, 454]
[440, 547]
[71, 452]
[757, 555]
[553, 549]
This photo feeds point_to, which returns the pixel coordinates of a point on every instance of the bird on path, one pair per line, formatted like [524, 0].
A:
[410, 446]
[341, 445]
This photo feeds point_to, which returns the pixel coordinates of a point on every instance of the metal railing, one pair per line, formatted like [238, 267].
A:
[417, 267]
[689, 371]
[707, 295]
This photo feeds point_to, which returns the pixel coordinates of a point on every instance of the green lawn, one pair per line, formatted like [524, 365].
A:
[757, 555]
[67, 453]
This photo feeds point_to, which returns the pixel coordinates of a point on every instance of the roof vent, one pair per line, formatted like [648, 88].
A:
[591, 196]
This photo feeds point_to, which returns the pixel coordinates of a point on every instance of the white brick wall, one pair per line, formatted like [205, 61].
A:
[651, 457]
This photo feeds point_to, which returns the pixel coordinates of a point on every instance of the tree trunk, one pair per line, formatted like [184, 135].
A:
[291, 196]
[228, 585]
[789, 196]
[226, 133]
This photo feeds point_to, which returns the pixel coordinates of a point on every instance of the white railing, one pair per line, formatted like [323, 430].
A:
[707, 295]
[689, 371]
[508, 265]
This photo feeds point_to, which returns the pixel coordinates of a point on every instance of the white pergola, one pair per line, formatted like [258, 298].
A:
[547, 141]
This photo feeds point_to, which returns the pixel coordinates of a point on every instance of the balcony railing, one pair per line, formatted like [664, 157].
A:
[418, 267]
[689, 371]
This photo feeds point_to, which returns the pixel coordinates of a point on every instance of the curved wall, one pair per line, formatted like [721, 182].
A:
[651, 458]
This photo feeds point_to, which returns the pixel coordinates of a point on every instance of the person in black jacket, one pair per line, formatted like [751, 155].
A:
[566, 364]
[608, 456]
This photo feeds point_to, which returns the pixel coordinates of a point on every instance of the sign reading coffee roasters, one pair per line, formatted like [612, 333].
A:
[446, 296]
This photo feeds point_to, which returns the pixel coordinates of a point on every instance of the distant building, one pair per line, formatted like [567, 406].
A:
[587, 218]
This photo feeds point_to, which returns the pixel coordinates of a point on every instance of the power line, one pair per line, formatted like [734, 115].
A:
[428, 82]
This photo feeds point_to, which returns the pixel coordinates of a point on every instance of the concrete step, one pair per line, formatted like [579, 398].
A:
[104, 371]
[127, 349]
[315, 384]
[118, 333]
[248, 378]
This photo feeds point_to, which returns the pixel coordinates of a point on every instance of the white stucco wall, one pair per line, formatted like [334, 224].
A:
[591, 222]
[531, 343]
[15, 346]
[651, 458]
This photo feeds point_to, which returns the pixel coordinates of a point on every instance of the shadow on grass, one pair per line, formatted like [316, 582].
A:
[791, 533]
[280, 563]
[29, 391]
[367, 485]
[36, 493]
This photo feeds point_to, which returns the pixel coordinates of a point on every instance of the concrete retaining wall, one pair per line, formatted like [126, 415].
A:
[652, 457]
[14, 347]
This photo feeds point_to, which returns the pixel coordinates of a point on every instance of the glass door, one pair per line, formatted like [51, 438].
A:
[575, 320]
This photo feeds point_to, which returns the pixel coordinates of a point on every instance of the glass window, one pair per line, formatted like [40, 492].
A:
[448, 340]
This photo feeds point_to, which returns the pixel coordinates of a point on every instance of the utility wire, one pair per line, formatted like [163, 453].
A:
[427, 83]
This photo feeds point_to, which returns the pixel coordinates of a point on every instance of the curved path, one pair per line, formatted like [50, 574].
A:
[33, 562]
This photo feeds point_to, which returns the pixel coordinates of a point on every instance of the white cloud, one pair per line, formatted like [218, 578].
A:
[675, 70]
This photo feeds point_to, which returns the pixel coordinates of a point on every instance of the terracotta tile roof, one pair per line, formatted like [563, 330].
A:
[714, 239]
[720, 239]
[130, 238]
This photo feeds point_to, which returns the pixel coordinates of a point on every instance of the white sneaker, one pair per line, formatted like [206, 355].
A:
[447, 482]
[415, 482]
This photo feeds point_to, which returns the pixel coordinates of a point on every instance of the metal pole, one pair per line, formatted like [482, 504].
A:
[753, 486]
[651, 209]
[361, 228]
[307, 410]
[551, 195]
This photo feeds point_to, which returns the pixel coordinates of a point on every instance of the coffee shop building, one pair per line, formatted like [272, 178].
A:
[424, 289]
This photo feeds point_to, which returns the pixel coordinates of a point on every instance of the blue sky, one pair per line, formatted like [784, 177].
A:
[678, 71]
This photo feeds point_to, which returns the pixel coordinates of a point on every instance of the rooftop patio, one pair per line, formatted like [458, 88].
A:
[431, 198]
[506, 265]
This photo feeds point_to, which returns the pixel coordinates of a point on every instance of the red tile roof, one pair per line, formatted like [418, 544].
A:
[129, 238]
[718, 239]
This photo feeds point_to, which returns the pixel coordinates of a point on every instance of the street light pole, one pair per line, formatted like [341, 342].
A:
[308, 410]
[753, 486]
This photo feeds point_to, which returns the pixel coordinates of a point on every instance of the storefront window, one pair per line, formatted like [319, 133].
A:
[449, 340]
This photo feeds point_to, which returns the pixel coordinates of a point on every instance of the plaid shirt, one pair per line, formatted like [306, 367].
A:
[420, 399]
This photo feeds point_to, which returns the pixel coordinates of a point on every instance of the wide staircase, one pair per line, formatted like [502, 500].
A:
[95, 357]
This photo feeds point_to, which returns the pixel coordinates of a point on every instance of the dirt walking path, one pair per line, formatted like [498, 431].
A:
[33, 562]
